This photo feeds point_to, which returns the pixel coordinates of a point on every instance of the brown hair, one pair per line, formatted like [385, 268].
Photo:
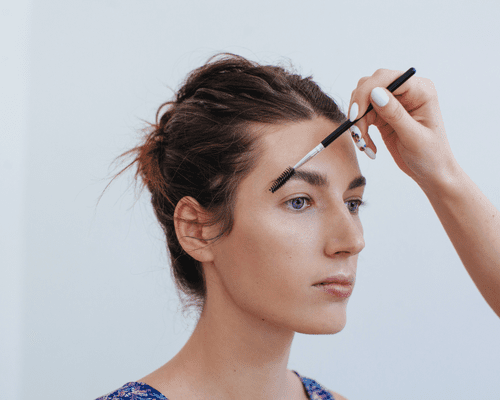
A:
[203, 145]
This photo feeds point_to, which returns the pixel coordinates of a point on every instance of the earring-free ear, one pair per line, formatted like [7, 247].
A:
[190, 229]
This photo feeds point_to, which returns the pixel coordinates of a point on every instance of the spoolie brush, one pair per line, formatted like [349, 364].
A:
[288, 173]
[284, 177]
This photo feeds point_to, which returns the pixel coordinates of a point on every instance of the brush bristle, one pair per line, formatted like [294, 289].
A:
[284, 177]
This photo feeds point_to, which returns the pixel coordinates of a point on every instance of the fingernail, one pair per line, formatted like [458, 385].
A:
[380, 97]
[369, 152]
[355, 133]
[354, 112]
[361, 144]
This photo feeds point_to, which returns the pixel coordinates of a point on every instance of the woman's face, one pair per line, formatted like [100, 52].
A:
[283, 243]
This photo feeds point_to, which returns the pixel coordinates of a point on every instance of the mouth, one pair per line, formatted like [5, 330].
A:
[336, 289]
[337, 285]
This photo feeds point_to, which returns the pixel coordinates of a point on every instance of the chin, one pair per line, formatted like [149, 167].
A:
[323, 323]
[324, 329]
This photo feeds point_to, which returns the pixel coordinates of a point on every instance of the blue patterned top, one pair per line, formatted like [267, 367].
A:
[141, 391]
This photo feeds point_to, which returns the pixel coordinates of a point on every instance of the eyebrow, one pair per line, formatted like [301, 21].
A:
[320, 180]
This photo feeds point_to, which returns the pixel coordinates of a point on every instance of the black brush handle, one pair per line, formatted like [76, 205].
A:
[347, 124]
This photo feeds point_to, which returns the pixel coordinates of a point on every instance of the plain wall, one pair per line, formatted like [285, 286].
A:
[87, 302]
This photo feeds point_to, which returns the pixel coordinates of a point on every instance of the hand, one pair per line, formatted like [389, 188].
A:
[410, 124]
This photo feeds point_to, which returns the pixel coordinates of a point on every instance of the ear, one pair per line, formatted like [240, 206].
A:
[189, 216]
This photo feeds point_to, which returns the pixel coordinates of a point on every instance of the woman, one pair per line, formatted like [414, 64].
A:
[252, 262]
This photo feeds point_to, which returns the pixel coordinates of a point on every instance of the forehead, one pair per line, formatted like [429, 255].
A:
[286, 144]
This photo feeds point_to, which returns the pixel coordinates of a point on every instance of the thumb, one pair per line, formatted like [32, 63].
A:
[393, 112]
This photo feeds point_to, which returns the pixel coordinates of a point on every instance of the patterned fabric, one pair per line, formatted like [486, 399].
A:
[134, 391]
[314, 389]
[141, 391]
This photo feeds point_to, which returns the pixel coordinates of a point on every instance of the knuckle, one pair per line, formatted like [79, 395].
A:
[362, 81]
[383, 73]
[429, 86]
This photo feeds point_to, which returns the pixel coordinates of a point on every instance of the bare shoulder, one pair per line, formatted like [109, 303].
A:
[337, 396]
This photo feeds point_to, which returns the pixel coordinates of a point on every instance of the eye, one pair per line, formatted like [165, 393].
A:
[298, 202]
[353, 205]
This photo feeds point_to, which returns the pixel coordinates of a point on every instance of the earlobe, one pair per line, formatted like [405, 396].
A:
[189, 217]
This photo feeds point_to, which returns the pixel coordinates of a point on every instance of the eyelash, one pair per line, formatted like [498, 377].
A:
[359, 203]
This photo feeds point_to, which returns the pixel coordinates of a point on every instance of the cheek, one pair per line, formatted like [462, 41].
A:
[282, 239]
[269, 251]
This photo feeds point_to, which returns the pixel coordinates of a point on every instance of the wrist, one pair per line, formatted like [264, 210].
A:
[450, 182]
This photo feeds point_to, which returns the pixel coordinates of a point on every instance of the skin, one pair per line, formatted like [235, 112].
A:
[260, 279]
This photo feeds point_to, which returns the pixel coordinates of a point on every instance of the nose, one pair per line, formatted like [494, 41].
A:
[344, 234]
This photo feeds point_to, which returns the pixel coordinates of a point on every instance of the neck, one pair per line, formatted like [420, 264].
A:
[234, 354]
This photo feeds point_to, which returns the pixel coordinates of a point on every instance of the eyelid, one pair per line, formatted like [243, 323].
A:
[361, 201]
[360, 198]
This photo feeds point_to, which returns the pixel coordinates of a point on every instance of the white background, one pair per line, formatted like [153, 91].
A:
[87, 302]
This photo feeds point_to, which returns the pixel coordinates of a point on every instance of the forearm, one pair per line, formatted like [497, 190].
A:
[473, 226]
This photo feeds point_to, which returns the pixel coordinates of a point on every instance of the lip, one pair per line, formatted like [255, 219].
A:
[337, 289]
[337, 285]
[338, 279]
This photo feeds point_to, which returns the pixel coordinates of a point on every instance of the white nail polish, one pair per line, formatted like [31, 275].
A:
[380, 97]
[355, 130]
[369, 152]
[354, 112]
[361, 144]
